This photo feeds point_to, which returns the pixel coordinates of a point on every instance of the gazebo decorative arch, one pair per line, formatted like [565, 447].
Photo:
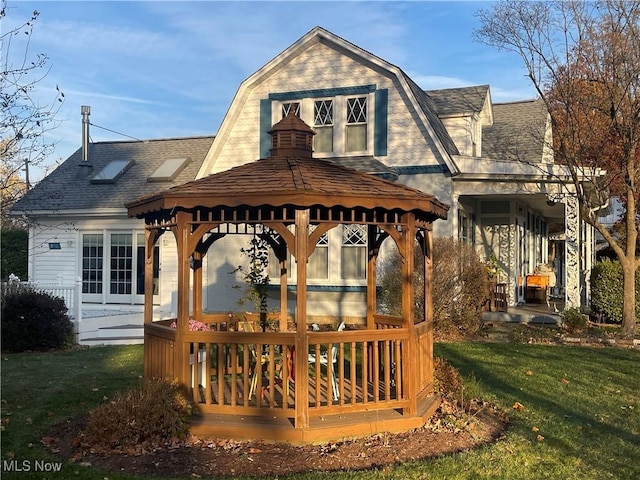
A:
[382, 371]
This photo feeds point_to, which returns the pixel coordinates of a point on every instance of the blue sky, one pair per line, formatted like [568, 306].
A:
[152, 69]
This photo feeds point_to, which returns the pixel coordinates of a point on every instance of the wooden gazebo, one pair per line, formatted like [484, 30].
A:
[377, 377]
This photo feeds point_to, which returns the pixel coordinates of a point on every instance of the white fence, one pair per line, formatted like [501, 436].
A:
[71, 294]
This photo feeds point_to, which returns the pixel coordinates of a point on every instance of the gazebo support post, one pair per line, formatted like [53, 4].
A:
[302, 341]
[408, 239]
[181, 352]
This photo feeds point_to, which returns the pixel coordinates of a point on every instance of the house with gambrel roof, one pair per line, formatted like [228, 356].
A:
[489, 162]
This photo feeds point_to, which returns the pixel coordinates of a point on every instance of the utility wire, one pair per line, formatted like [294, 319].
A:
[113, 131]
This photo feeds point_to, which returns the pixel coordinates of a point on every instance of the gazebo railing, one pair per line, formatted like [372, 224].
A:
[250, 372]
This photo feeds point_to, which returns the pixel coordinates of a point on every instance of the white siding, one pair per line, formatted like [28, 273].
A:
[54, 266]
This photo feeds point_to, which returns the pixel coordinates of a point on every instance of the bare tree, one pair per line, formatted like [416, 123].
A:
[25, 118]
[583, 58]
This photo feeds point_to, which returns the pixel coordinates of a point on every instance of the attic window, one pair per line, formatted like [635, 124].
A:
[169, 170]
[112, 171]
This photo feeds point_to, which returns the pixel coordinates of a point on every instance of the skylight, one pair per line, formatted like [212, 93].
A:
[112, 171]
[169, 170]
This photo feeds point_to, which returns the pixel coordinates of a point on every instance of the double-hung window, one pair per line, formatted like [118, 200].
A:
[323, 125]
[354, 252]
[356, 126]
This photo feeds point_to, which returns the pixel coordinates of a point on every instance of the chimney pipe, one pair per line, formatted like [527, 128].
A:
[86, 111]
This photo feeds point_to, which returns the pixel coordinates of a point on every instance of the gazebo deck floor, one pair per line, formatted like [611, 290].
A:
[277, 428]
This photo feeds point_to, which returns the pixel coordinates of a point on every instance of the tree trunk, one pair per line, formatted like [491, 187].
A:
[629, 295]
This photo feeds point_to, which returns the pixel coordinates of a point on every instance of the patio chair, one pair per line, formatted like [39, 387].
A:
[324, 360]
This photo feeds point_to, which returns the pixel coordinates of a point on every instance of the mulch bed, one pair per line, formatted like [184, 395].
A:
[207, 457]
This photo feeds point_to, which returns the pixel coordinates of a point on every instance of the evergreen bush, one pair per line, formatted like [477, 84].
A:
[573, 320]
[607, 292]
[33, 320]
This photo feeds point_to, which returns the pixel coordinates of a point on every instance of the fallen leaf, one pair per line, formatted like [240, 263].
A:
[254, 450]
[29, 421]
[535, 429]
[540, 438]
[564, 380]
[528, 372]
[47, 441]
[518, 406]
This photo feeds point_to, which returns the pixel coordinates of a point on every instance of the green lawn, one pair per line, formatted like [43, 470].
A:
[583, 401]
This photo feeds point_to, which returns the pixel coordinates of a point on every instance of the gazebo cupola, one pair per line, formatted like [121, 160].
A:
[291, 137]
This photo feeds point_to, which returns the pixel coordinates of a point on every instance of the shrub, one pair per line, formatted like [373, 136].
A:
[33, 320]
[145, 417]
[606, 290]
[447, 381]
[573, 320]
[459, 286]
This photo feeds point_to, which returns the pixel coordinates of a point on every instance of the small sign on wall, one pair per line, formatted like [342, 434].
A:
[54, 246]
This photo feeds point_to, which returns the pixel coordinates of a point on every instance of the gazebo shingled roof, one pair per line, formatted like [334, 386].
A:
[297, 181]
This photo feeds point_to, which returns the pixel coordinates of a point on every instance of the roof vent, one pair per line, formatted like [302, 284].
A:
[85, 167]
[291, 137]
[86, 111]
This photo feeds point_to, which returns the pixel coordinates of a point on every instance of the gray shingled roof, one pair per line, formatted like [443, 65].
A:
[428, 107]
[451, 101]
[366, 164]
[65, 189]
[517, 132]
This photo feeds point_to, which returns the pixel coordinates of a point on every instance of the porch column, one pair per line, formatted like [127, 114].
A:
[572, 251]
[455, 234]
[302, 341]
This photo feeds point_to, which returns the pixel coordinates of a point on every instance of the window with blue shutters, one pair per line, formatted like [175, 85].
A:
[347, 120]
